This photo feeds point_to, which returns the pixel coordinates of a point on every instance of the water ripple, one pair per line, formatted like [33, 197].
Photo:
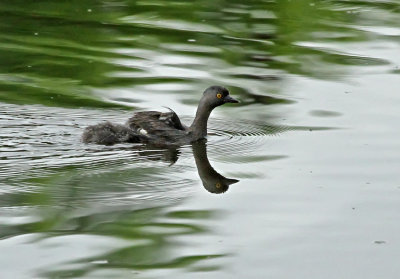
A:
[39, 142]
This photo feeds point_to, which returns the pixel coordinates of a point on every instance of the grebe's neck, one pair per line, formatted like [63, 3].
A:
[199, 125]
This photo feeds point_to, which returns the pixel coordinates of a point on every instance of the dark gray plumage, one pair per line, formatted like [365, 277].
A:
[108, 133]
[160, 128]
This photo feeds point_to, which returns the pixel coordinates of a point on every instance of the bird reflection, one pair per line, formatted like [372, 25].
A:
[213, 182]
[155, 153]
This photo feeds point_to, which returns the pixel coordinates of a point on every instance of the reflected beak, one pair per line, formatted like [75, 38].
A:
[231, 181]
[229, 99]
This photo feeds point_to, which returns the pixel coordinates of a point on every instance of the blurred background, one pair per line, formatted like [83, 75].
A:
[314, 143]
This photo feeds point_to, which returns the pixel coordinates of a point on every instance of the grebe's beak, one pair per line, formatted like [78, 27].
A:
[229, 99]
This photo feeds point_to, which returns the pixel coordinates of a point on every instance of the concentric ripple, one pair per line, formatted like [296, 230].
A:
[42, 146]
[245, 137]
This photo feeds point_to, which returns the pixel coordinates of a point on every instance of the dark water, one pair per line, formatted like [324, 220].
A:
[314, 143]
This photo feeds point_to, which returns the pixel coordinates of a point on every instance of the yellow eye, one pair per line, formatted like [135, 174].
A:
[218, 185]
[219, 95]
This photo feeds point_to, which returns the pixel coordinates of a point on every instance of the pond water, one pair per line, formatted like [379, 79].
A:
[311, 153]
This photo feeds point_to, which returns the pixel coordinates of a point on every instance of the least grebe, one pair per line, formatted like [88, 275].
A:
[160, 128]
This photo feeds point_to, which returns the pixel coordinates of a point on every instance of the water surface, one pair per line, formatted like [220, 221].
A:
[313, 147]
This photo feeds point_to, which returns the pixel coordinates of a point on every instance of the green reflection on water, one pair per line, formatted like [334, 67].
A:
[152, 241]
[62, 53]
[104, 54]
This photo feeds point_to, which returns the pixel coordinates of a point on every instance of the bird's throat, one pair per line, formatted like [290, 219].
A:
[199, 125]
